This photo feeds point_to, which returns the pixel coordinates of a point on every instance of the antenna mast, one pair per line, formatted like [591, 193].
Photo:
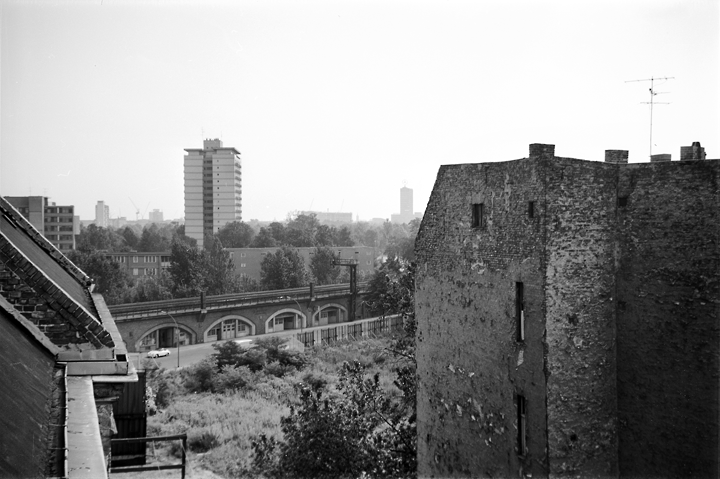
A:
[652, 101]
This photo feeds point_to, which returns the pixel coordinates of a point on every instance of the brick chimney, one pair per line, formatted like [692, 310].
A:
[694, 152]
[660, 157]
[616, 156]
[539, 149]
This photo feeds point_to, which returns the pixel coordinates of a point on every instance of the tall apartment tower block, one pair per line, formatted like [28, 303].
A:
[102, 214]
[213, 189]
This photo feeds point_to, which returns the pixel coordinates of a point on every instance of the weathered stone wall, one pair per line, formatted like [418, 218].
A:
[471, 366]
[668, 319]
[580, 297]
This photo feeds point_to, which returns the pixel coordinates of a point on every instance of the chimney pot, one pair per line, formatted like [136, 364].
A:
[694, 152]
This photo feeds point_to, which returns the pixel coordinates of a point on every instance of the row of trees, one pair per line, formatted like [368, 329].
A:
[211, 270]
[299, 231]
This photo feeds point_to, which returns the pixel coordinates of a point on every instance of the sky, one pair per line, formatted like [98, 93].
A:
[336, 105]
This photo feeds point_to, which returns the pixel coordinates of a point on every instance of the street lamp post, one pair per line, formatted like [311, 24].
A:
[177, 329]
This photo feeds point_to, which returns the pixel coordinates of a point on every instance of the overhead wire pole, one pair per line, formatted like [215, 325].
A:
[652, 102]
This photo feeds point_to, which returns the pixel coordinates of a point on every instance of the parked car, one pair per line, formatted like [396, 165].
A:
[158, 353]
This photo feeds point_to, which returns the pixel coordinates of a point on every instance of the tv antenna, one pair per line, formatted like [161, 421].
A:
[652, 101]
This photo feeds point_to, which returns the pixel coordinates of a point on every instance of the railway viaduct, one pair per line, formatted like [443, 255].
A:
[152, 325]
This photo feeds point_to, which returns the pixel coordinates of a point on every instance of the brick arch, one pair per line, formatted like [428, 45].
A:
[237, 317]
[316, 314]
[185, 329]
[271, 319]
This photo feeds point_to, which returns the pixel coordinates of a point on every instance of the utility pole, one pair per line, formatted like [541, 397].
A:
[652, 101]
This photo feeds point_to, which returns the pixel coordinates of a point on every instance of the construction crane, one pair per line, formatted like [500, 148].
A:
[137, 210]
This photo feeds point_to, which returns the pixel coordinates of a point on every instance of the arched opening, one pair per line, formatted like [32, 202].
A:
[329, 314]
[229, 327]
[284, 320]
[165, 336]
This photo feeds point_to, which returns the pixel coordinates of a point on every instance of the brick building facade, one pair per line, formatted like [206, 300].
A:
[568, 318]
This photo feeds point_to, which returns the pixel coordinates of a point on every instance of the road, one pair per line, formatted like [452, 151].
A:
[191, 354]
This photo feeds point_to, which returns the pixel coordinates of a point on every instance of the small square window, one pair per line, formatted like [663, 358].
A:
[622, 201]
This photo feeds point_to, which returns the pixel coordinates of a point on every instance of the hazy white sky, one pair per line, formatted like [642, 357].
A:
[334, 105]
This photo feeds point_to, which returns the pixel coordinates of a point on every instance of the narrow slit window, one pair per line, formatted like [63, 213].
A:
[478, 215]
[522, 424]
[520, 310]
[531, 209]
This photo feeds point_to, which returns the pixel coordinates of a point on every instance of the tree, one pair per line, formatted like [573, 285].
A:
[264, 239]
[217, 268]
[343, 237]
[131, 239]
[391, 289]
[96, 238]
[186, 269]
[362, 433]
[153, 239]
[301, 230]
[110, 279]
[283, 269]
[278, 232]
[236, 234]
[322, 267]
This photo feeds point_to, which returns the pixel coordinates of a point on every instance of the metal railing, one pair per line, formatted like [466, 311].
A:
[121, 312]
[158, 467]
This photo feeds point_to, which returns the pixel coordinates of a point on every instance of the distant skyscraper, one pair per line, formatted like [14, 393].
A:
[102, 214]
[156, 216]
[213, 189]
[406, 207]
[406, 201]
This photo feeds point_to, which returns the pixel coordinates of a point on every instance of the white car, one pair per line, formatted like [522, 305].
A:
[158, 353]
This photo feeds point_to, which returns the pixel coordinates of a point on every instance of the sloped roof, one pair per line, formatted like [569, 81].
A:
[37, 263]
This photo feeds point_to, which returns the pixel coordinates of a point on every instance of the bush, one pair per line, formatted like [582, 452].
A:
[231, 378]
[199, 377]
[202, 441]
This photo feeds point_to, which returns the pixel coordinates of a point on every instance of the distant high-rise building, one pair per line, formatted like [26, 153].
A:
[57, 223]
[406, 207]
[213, 189]
[156, 216]
[102, 214]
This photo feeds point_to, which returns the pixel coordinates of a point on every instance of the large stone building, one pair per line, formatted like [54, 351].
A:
[213, 189]
[568, 318]
[57, 223]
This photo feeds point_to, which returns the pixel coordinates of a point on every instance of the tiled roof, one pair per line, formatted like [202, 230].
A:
[59, 283]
